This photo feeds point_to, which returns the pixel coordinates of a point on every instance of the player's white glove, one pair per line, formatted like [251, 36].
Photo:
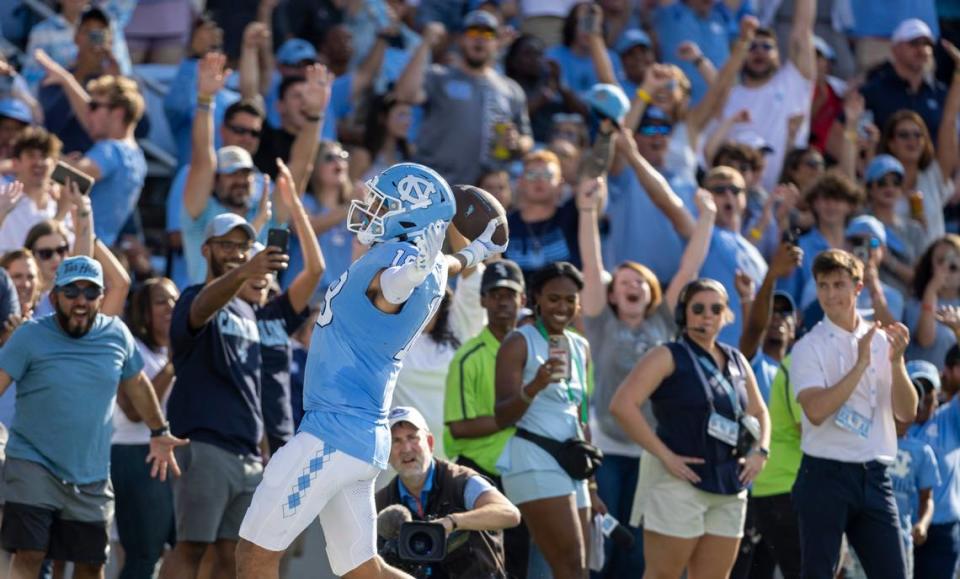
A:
[483, 247]
[429, 245]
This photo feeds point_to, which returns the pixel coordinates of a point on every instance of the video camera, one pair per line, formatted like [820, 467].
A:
[413, 546]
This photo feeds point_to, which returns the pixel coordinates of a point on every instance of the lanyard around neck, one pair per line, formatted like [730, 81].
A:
[700, 363]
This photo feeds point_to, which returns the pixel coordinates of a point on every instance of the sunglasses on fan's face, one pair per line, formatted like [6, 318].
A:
[243, 131]
[73, 291]
[724, 189]
[655, 130]
[484, 33]
[332, 156]
[698, 309]
[47, 252]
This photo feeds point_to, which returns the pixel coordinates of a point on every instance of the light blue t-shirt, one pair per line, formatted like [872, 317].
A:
[914, 470]
[123, 170]
[678, 23]
[639, 231]
[357, 351]
[66, 389]
[942, 433]
[338, 108]
[577, 71]
[731, 252]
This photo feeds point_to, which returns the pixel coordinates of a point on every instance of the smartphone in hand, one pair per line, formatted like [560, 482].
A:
[279, 238]
[63, 173]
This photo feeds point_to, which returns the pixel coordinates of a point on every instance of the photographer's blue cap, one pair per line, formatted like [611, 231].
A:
[633, 38]
[225, 223]
[882, 165]
[295, 51]
[79, 268]
[867, 226]
[923, 370]
[16, 109]
[609, 101]
[408, 414]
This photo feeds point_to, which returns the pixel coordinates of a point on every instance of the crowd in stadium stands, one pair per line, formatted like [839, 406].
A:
[764, 241]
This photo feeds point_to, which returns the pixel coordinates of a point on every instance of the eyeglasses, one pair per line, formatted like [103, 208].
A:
[46, 253]
[723, 189]
[699, 308]
[484, 33]
[908, 135]
[765, 46]
[814, 163]
[227, 245]
[889, 181]
[73, 291]
[243, 131]
[655, 130]
[94, 105]
[331, 156]
[535, 175]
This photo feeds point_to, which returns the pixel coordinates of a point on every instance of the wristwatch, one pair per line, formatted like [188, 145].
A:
[764, 452]
[162, 431]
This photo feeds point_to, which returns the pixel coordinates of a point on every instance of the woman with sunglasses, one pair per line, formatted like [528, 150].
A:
[926, 169]
[385, 136]
[691, 497]
[542, 390]
[624, 319]
[906, 239]
[936, 285]
[49, 242]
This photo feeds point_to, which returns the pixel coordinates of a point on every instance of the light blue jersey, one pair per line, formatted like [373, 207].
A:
[915, 469]
[356, 353]
[942, 433]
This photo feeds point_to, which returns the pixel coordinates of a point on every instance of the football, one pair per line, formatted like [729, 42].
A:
[475, 209]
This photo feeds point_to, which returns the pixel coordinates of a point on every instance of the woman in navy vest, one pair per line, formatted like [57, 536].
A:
[711, 440]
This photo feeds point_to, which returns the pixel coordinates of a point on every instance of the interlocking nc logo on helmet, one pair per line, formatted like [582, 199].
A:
[416, 191]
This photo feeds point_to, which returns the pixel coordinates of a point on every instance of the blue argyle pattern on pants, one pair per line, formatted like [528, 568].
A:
[305, 479]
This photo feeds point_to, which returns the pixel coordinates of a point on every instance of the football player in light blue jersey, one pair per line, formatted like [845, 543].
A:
[370, 317]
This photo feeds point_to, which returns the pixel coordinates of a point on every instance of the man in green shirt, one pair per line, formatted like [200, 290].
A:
[471, 432]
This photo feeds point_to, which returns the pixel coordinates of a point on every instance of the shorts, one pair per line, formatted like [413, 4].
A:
[532, 485]
[213, 492]
[305, 480]
[42, 513]
[670, 506]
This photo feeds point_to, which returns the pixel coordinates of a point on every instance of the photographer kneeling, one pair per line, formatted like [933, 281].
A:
[446, 494]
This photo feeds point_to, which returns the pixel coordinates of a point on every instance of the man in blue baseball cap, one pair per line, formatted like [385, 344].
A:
[636, 56]
[67, 367]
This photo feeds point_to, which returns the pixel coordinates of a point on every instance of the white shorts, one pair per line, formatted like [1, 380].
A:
[304, 480]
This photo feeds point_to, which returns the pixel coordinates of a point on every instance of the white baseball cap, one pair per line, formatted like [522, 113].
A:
[911, 29]
[408, 414]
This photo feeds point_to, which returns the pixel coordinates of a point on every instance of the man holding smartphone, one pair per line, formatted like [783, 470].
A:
[216, 401]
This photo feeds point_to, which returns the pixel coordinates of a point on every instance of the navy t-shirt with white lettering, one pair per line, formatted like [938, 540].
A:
[276, 321]
[216, 398]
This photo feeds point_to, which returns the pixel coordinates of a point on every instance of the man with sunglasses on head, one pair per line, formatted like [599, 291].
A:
[68, 367]
[475, 117]
[775, 92]
[216, 402]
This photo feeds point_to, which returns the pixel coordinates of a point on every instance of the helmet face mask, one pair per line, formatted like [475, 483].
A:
[401, 201]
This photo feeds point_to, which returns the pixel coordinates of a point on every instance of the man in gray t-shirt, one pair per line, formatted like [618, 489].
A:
[475, 118]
